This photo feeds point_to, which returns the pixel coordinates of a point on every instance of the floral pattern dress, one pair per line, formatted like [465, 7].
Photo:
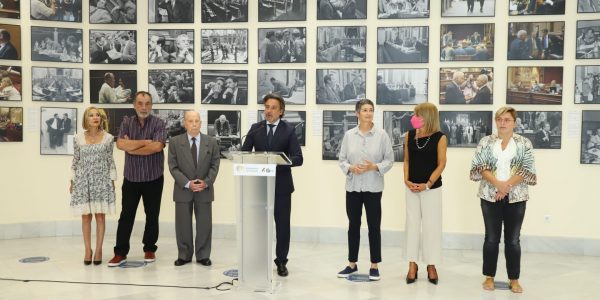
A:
[93, 171]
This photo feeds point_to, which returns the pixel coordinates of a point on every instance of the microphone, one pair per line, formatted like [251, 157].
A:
[261, 126]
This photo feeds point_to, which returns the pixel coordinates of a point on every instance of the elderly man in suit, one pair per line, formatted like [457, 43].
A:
[484, 94]
[274, 134]
[7, 50]
[194, 164]
[454, 94]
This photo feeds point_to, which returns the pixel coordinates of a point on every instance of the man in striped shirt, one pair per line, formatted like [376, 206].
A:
[143, 138]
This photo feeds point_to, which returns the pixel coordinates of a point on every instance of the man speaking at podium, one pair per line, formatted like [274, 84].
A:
[276, 135]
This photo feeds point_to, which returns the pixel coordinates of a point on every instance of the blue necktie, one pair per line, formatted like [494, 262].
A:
[270, 135]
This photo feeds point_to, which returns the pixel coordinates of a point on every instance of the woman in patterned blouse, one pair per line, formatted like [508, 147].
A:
[504, 165]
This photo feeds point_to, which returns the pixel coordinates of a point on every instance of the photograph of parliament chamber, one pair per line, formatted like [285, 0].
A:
[57, 84]
[402, 9]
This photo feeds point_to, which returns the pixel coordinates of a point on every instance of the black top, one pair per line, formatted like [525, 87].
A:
[422, 162]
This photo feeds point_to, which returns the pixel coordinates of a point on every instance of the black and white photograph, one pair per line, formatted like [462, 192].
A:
[282, 45]
[173, 120]
[469, 8]
[588, 6]
[295, 118]
[115, 117]
[341, 86]
[112, 86]
[464, 129]
[277, 10]
[10, 83]
[335, 125]
[224, 125]
[11, 124]
[225, 11]
[171, 86]
[10, 38]
[113, 11]
[402, 44]
[342, 44]
[224, 87]
[224, 46]
[536, 41]
[588, 39]
[402, 9]
[587, 84]
[113, 47]
[57, 84]
[466, 85]
[402, 86]
[56, 44]
[58, 126]
[171, 46]
[467, 42]
[289, 84]
[56, 10]
[11, 9]
[534, 85]
[341, 9]
[542, 128]
[590, 137]
[538, 7]
[170, 11]
[396, 124]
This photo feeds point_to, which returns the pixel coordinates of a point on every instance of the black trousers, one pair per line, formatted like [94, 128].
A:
[470, 5]
[281, 214]
[512, 215]
[150, 192]
[354, 204]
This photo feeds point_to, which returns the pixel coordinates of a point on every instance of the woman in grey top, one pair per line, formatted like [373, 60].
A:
[366, 154]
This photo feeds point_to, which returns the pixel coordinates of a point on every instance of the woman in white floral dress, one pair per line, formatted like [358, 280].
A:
[93, 174]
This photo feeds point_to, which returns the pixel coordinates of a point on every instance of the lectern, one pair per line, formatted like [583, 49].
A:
[255, 192]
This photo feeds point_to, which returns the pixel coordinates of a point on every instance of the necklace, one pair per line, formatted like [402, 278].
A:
[93, 137]
[417, 142]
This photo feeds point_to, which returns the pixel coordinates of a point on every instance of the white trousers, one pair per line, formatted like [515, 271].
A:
[424, 226]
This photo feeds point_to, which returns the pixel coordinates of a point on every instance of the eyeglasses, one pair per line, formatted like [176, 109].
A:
[505, 120]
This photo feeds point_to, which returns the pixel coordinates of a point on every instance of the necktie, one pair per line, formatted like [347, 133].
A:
[194, 152]
[270, 135]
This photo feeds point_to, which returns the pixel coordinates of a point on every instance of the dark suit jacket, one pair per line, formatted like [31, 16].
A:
[454, 95]
[349, 10]
[539, 140]
[242, 97]
[66, 125]
[182, 12]
[326, 11]
[349, 91]
[285, 141]
[483, 96]
[9, 52]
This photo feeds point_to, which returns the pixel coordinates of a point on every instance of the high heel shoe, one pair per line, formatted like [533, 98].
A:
[412, 280]
[432, 280]
[97, 262]
[88, 262]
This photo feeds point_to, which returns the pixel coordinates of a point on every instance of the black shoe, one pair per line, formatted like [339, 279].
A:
[204, 261]
[432, 280]
[412, 280]
[181, 262]
[282, 269]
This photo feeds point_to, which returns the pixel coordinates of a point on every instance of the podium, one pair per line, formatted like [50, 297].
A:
[254, 174]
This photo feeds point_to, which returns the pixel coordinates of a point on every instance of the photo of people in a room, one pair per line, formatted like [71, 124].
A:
[402, 9]
[340, 86]
[588, 39]
[170, 11]
[10, 9]
[57, 84]
[534, 85]
[341, 9]
[112, 86]
[173, 86]
[113, 11]
[55, 10]
[113, 47]
[464, 129]
[468, 8]
[542, 128]
[467, 42]
[335, 125]
[220, 11]
[402, 86]
[171, 46]
[466, 85]
[536, 41]
[10, 83]
[224, 125]
[290, 84]
[56, 44]
[396, 124]
[282, 45]
[11, 124]
[587, 85]
[341, 44]
[58, 127]
[537, 7]
[403, 44]
[281, 10]
[224, 87]
[588, 6]
[590, 137]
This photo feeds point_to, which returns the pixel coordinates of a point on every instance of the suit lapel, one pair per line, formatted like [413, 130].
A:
[187, 149]
[203, 153]
[281, 127]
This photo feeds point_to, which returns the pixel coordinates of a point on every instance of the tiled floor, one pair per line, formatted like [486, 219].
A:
[312, 274]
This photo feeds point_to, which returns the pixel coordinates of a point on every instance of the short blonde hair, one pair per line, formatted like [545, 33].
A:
[103, 118]
[430, 115]
[506, 109]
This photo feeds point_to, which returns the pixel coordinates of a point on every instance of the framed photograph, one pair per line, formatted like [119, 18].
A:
[542, 128]
[224, 87]
[290, 84]
[403, 44]
[173, 120]
[341, 9]
[10, 36]
[11, 124]
[402, 9]
[282, 45]
[113, 47]
[112, 86]
[11, 9]
[466, 85]
[113, 11]
[524, 8]
[341, 86]
[295, 118]
[169, 11]
[467, 42]
[171, 46]
[464, 129]
[224, 125]
[57, 84]
[588, 6]
[587, 84]
[536, 40]
[534, 85]
[56, 44]
[115, 117]
[11, 86]
[335, 125]
[58, 126]
[587, 39]
[59, 11]
[171, 86]
[402, 86]
[273, 11]
[342, 44]
[590, 137]
[469, 8]
[224, 46]
[396, 124]
[225, 11]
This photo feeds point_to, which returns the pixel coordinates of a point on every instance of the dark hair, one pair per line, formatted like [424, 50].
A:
[161, 41]
[362, 102]
[327, 78]
[278, 98]
[233, 78]
[141, 93]
[5, 34]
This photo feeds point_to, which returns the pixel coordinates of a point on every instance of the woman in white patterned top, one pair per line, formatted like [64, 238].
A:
[93, 179]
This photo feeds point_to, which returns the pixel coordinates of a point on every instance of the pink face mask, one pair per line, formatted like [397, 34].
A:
[416, 122]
